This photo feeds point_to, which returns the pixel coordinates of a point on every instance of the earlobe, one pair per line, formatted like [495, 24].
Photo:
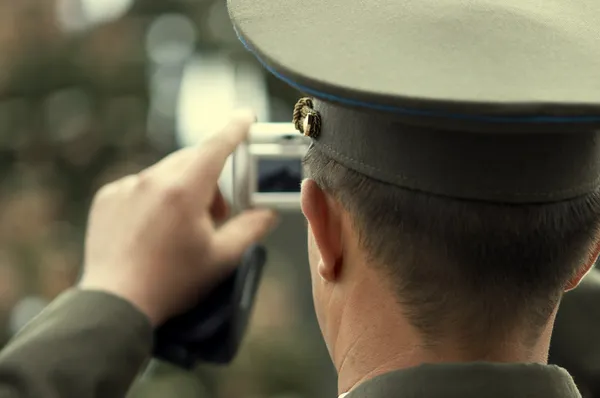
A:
[324, 222]
[328, 271]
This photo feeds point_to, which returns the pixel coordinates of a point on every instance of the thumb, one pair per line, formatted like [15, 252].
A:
[239, 233]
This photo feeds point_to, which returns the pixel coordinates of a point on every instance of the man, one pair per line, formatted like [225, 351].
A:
[452, 192]
[452, 197]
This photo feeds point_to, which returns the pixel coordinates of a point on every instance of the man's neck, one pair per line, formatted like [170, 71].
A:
[372, 339]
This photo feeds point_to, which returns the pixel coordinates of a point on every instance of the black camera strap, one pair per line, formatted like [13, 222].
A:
[213, 330]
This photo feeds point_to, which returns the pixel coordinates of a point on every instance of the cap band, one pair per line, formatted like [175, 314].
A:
[507, 167]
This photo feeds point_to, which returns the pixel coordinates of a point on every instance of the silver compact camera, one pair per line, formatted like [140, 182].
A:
[266, 170]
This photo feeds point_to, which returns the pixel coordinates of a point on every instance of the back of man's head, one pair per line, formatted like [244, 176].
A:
[472, 270]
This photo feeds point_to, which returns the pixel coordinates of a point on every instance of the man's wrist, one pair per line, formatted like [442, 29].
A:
[136, 300]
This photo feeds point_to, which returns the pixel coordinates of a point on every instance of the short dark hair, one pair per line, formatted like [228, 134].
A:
[463, 267]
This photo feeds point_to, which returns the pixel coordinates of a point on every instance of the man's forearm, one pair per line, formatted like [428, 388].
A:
[85, 344]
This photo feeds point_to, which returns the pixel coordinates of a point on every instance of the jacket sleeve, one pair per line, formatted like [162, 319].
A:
[85, 344]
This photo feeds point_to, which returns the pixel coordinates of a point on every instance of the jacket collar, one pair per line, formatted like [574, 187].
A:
[471, 380]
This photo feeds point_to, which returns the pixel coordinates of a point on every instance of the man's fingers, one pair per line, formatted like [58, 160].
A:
[207, 165]
[173, 165]
[234, 238]
[213, 151]
[219, 210]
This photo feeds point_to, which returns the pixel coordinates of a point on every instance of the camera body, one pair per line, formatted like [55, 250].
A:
[266, 170]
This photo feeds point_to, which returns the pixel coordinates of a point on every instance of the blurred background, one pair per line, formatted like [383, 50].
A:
[92, 90]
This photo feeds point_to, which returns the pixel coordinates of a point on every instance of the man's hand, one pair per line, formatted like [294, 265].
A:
[152, 237]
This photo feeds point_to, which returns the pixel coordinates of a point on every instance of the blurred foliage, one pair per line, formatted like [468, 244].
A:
[74, 111]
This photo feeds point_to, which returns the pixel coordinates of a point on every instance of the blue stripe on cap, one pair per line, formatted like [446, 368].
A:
[417, 112]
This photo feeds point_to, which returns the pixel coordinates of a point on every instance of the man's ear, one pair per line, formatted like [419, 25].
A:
[324, 220]
[585, 269]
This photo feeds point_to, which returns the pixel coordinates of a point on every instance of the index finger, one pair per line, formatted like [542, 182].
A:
[207, 165]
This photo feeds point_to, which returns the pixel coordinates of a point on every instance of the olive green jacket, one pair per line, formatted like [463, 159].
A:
[91, 344]
[84, 345]
[475, 380]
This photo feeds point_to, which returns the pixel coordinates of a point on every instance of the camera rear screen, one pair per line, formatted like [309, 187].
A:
[279, 175]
